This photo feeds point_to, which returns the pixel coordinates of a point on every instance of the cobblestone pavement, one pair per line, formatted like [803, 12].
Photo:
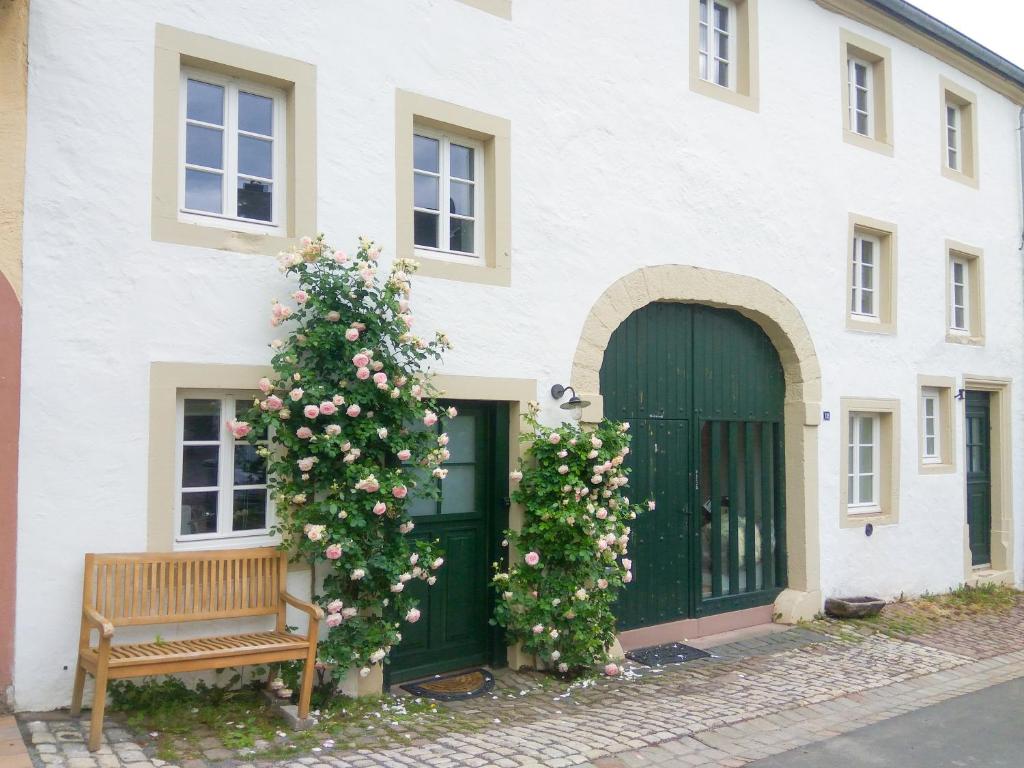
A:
[755, 698]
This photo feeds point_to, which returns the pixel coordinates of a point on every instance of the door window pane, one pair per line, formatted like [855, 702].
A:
[458, 490]
[255, 113]
[462, 438]
[205, 102]
[203, 191]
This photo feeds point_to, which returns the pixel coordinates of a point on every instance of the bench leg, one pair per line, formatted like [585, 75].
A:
[99, 703]
[79, 689]
[308, 673]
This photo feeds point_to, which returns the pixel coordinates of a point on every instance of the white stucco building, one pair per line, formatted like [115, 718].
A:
[781, 238]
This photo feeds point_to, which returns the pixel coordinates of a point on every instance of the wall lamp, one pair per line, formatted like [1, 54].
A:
[574, 403]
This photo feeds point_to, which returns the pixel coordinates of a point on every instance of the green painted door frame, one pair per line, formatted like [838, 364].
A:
[703, 389]
[467, 521]
[978, 460]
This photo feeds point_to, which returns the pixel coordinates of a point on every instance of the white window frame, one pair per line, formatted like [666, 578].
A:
[230, 174]
[855, 504]
[931, 426]
[225, 479]
[869, 90]
[954, 136]
[445, 140]
[858, 290]
[708, 60]
[965, 284]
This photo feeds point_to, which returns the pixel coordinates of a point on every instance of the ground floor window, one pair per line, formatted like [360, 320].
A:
[862, 462]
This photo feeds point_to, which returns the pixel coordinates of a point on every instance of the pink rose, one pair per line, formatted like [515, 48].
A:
[563, 469]
[430, 419]
[333, 316]
[602, 513]
[306, 464]
[340, 256]
[274, 403]
[311, 411]
[300, 296]
[361, 360]
[335, 606]
[348, 613]
[407, 526]
[602, 583]
[239, 428]
[650, 505]
[611, 669]
[333, 552]
[352, 334]
[353, 410]
[404, 455]
[413, 615]
[627, 577]
[265, 385]
[538, 628]
[333, 619]
[327, 408]
[333, 430]
[363, 373]
[296, 394]
[531, 558]
[515, 475]
[380, 378]
[554, 438]
[452, 411]
[304, 433]
[399, 491]
[338, 400]
[380, 508]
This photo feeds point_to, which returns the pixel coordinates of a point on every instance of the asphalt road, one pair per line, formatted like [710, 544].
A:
[980, 730]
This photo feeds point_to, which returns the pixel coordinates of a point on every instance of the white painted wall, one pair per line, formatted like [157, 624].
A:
[616, 165]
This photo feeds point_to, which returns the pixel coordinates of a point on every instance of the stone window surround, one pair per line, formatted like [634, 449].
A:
[852, 44]
[746, 93]
[967, 101]
[175, 48]
[495, 262]
[888, 410]
[947, 425]
[885, 274]
[499, 8]
[975, 291]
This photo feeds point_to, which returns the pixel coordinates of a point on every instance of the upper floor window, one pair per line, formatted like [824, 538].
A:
[867, 92]
[717, 42]
[959, 133]
[930, 415]
[953, 136]
[864, 290]
[222, 482]
[448, 188]
[859, 82]
[965, 297]
[959, 306]
[871, 275]
[233, 158]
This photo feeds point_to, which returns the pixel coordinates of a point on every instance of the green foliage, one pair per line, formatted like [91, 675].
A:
[348, 383]
[558, 595]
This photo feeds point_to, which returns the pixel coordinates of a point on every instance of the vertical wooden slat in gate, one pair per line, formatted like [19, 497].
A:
[734, 505]
[779, 487]
[716, 508]
[767, 507]
[749, 507]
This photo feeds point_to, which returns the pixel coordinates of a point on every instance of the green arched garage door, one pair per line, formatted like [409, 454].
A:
[703, 390]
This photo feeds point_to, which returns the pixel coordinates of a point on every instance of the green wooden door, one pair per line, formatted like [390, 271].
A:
[703, 389]
[977, 430]
[454, 631]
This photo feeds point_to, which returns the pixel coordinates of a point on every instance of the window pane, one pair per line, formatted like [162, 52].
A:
[461, 162]
[204, 146]
[241, 409]
[198, 512]
[867, 277]
[723, 73]
[205, 102]
[255, 113]
[203, 191]
[958, 318]
[458, 491]
[860, 75]
[850, 489]
[867, 251]
[255, 200]
[425, 229]
[723, 47]
[462, 235]
[250, 510]
[426, 191]
[703, 67]
[420, 479]
[199, 466]
[867, 489]
[929, 407]
[425, 153]
[461, 200]
[703, 39]
[462, 438]
[951, 116]
[202, 420]
[866, 431]
[951, 137]
[255, 157]
[250, 469]
[721, 17]
[952, 159]
[867, 303]
[958, 271]
[929, 446]
[867, 454]
[862, 124]
[704, 10]
[862, 100]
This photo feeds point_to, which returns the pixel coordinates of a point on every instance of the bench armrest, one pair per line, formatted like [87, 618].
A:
[315, 611]
[94, 617]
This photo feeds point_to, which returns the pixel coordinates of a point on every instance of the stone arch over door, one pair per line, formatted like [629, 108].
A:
[784, 326]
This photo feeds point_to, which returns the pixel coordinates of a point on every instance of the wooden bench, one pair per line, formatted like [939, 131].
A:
[166, 588]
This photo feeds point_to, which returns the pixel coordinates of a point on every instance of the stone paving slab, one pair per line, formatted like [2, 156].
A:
[751, 699]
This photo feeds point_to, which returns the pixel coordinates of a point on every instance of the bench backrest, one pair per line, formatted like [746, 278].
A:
[161, 588]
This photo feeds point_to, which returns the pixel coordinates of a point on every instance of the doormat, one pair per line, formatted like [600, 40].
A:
[670, 653]
[453, 687]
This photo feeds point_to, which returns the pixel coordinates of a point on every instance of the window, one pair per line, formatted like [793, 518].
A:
[448, 169]
[867, 92]
[930, 425]
[871, 275]
[870, 461]
[453, 190]
[717, 42]
[862, 462]
[234, 145]
[222, 482]
[860, 95]
[959, 129]
[866, 249]
[965, 316]
[723, 51]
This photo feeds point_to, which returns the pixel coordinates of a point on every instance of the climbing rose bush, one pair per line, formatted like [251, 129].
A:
[343, 462]
[570, 555]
